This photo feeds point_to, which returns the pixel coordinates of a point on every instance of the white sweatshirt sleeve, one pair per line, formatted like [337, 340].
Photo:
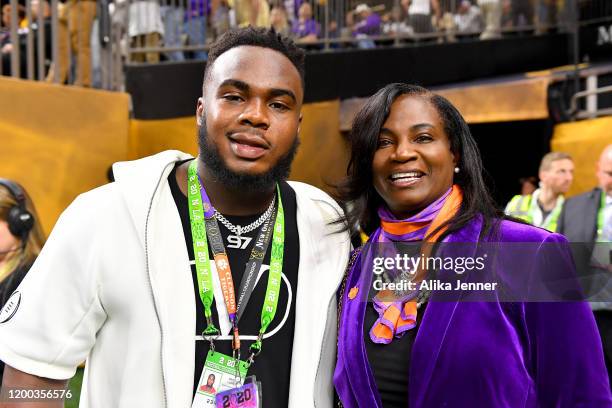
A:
[53, 320]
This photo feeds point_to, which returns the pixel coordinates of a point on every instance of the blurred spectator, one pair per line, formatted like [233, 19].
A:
[221, 18]
[101, 46]
[75, 21]
[394, 24]
[305, 28]
[5, 35]
[291, 8]
[349, 25]
[528, 185]
[543, 207]
[278, 21]
[491, 12]
[145, 29]
[22, 32]
[196, 25]
[251, 12]
[369, 25]
[21, 17]
[506, 20]
[420, 15]
[522, 13]
[546, 15]
[119, 27]
[369, 21]
[172, 15]
[468, 19]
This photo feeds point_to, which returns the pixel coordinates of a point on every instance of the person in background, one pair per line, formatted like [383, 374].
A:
[420, 15]
[255, 13]
[506, 18]
[369, 21]
[278, 21]
[75, 23]
[468, 19]
[522, 13]
[5, 27]
[220, 21]
[528, 185]
[586, 220]
[305, 29]
[37, 7]
[145, 29]
[173, 14]
[349, 24]
[21, 239]
[492, 15]
[394, 24]
[196, 24]
[369, 24]
[542, 208]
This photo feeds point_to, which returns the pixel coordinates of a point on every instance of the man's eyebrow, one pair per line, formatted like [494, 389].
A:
[274, 92]
[243, 86]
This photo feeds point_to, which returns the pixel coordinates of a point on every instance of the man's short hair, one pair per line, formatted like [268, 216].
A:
[256, 37]
[552, 157]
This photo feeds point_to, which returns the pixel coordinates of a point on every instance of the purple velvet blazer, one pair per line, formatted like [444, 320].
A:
[485, 354]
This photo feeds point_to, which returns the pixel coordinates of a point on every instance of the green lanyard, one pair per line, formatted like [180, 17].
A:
[199, 205]
[600, 215]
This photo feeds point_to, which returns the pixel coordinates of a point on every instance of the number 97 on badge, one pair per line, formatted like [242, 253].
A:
[247, 396]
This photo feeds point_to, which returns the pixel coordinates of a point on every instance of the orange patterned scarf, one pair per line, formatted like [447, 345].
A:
[399, 316]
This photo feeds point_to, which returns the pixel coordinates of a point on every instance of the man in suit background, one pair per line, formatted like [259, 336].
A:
[586, 221]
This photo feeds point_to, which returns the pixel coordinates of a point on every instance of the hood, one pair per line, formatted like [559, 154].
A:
[139, 180]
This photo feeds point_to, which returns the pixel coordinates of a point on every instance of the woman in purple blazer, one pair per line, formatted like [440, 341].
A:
[415, 175]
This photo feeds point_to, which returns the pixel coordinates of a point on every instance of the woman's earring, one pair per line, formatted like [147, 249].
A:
[456, 170]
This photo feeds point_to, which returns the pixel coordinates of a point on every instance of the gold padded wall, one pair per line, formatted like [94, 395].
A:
[58, 141]
[584, 140]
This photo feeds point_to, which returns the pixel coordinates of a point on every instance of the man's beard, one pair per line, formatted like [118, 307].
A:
[248, 182]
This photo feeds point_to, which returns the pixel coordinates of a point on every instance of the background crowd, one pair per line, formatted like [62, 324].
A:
[174, 30]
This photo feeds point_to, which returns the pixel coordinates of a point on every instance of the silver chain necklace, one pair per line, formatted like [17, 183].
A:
[237, 229]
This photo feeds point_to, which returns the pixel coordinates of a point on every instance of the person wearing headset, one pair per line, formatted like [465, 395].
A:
[21, 239]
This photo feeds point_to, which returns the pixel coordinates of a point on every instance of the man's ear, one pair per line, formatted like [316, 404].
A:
[200, 111]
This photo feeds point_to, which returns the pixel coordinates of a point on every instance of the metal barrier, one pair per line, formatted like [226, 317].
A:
[592, 110]
[87, 42]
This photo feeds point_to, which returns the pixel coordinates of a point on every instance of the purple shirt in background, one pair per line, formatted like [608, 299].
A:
[369, 26]
[197, 8]
[308, 27]
[296, 8]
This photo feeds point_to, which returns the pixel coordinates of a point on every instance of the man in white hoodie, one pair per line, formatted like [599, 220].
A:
[118, 283]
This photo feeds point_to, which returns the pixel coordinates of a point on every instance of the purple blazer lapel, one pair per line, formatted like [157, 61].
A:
[354, 381]
[437, 318]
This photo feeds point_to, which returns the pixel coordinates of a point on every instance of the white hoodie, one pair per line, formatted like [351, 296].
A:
[113, 286]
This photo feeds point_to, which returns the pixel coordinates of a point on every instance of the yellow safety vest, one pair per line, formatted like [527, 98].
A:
[521, 207]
